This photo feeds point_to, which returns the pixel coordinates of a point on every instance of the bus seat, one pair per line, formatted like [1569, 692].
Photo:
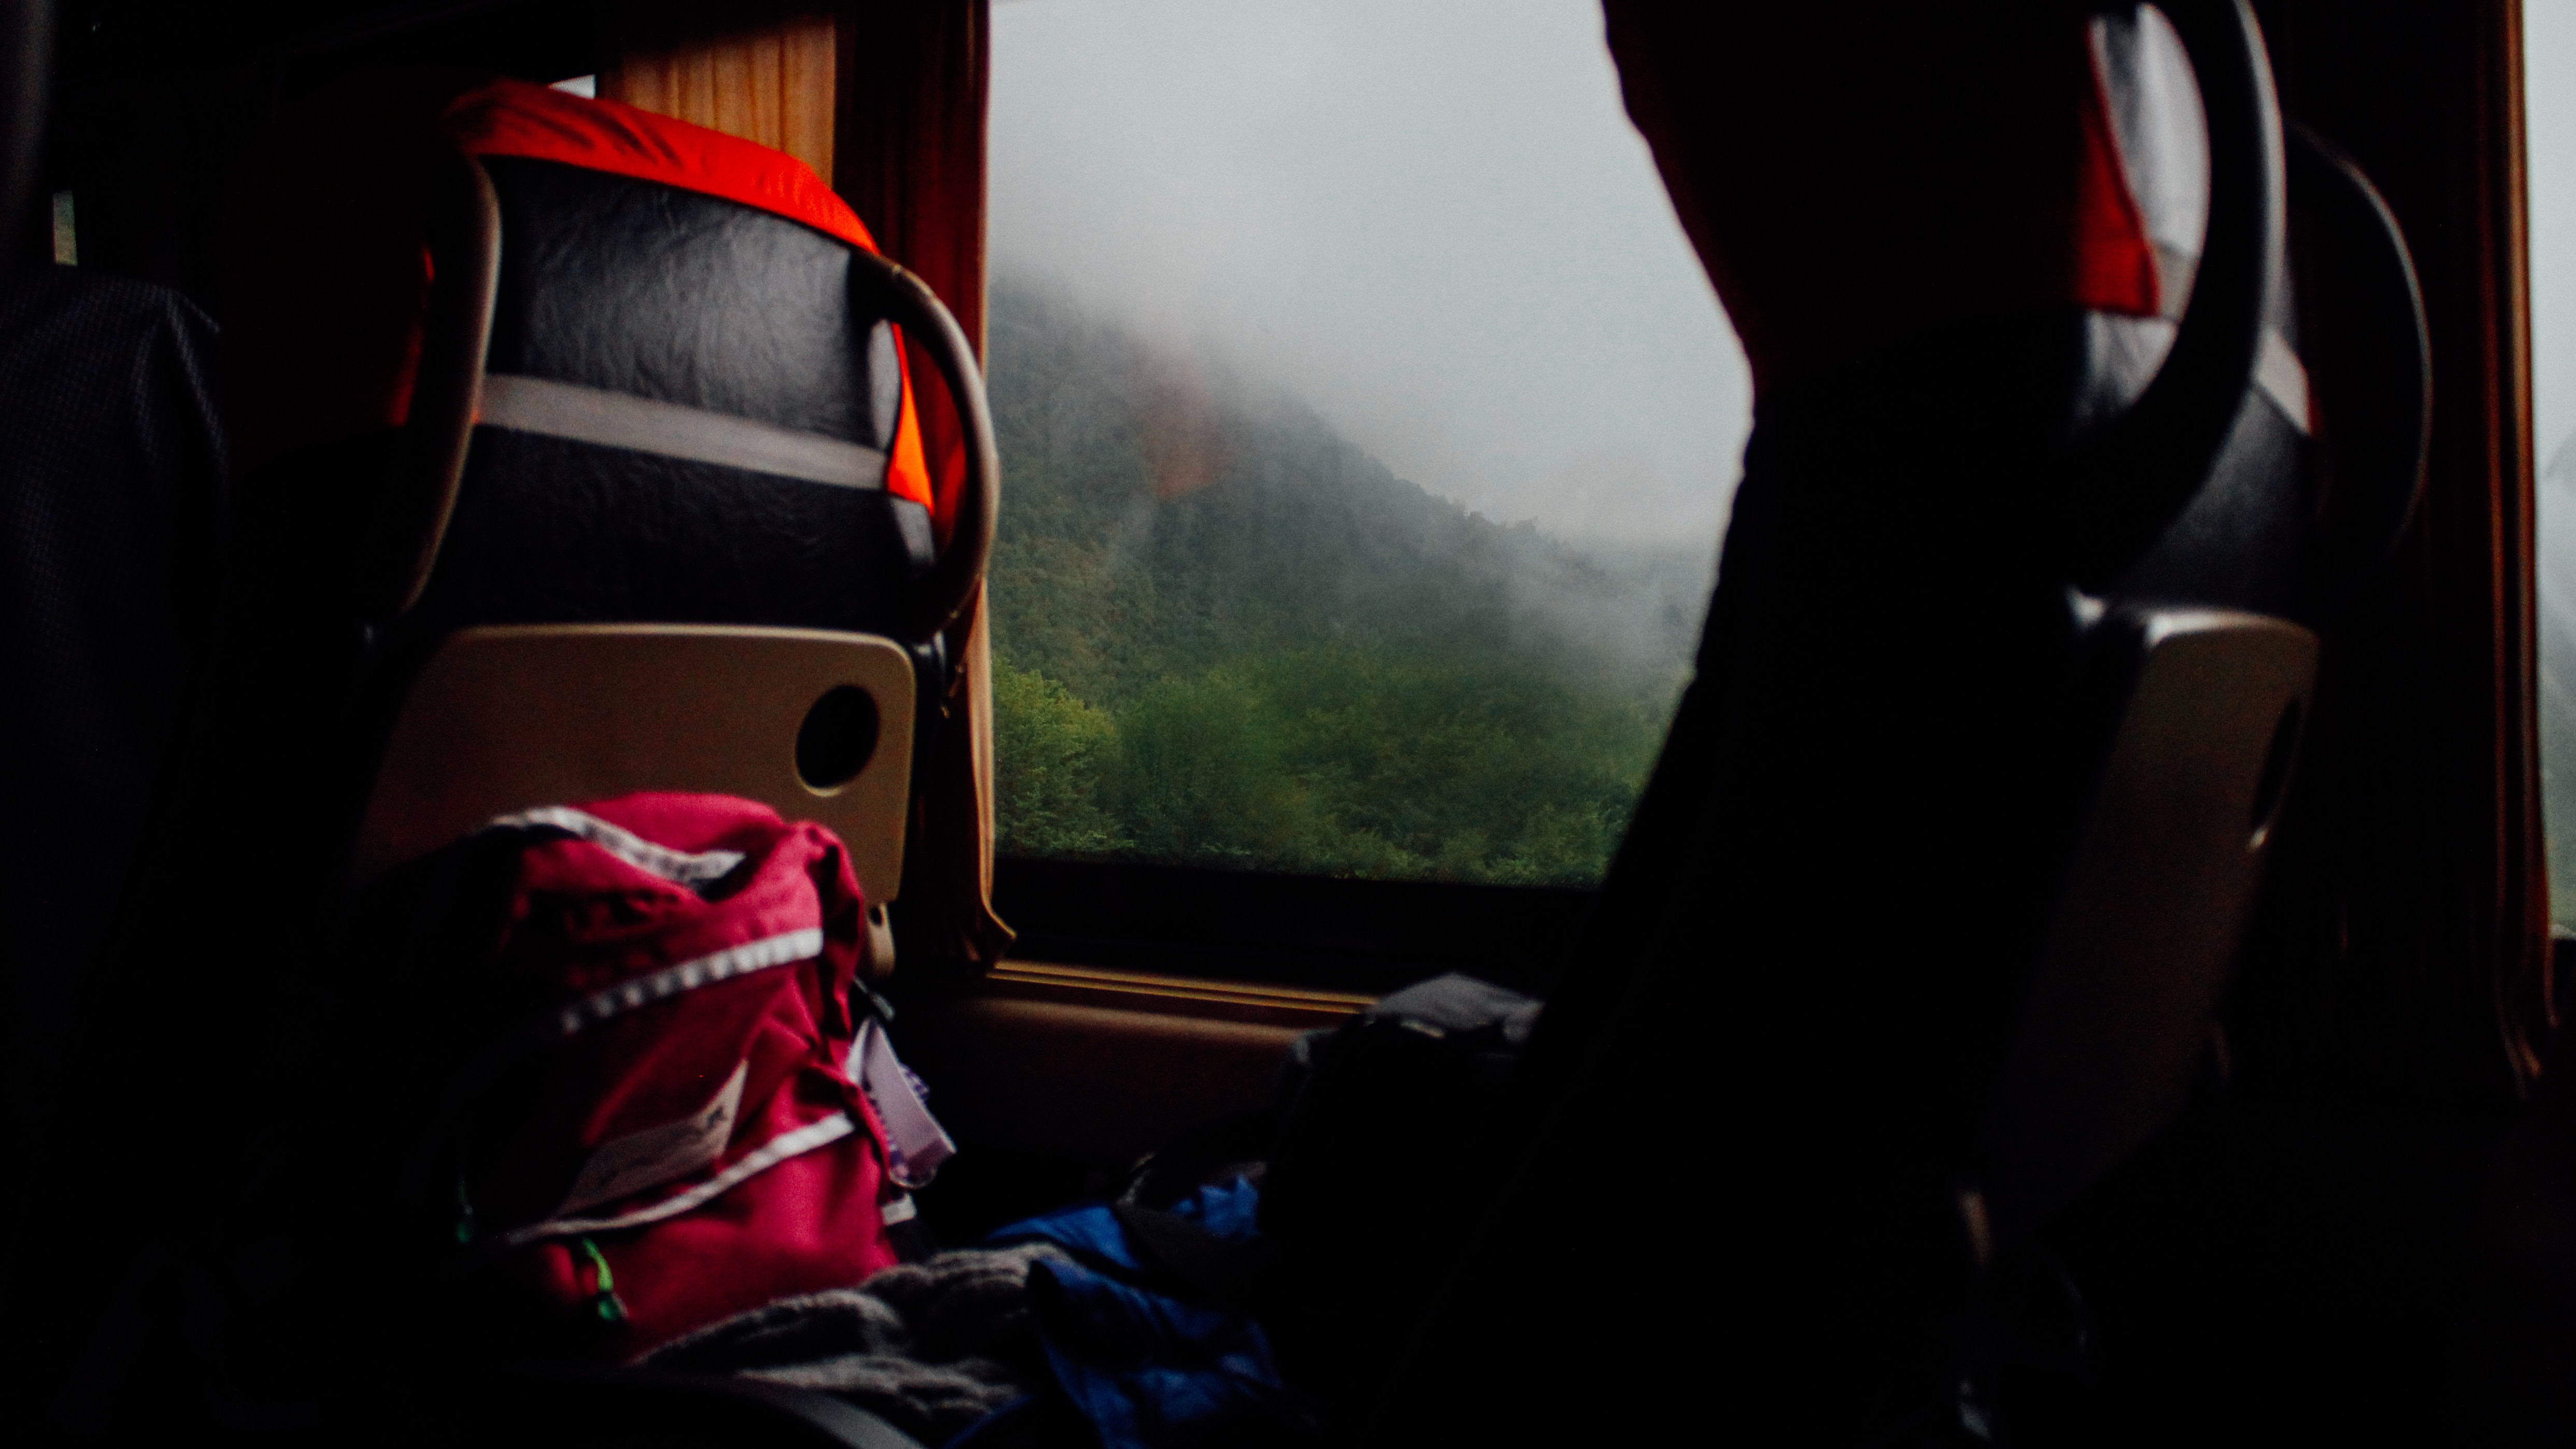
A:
[1928, 912]
[575, 455]
[655, 382]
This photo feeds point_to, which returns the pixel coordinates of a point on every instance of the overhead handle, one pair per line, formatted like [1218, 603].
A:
[943, 592]
[2127, 483]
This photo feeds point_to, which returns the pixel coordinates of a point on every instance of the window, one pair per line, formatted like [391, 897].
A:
[2549, 100]
[1367, 427]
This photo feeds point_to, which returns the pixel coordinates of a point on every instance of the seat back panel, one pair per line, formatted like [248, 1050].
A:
[550, 531]
[503, 720]
[2115, 1028]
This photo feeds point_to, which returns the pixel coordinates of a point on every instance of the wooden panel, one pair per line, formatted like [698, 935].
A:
[766, 73]
[506, 719]
[1097, 1084]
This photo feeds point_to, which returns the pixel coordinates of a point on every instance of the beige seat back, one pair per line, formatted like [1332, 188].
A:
[816, 725]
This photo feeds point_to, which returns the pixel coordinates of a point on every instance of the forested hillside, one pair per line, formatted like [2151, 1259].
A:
[1224, 635]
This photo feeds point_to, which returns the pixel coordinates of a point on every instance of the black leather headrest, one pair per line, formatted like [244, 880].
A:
[615, 291]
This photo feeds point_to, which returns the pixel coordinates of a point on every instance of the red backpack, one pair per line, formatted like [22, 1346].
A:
[690, 1115]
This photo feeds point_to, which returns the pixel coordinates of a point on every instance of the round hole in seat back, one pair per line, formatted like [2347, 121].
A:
[837, 739]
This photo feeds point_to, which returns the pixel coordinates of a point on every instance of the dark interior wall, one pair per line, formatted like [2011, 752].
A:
[158, 98]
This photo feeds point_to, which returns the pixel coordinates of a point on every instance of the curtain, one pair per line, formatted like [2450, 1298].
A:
[910, 160]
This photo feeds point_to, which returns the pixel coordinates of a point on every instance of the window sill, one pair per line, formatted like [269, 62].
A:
[1199, 998]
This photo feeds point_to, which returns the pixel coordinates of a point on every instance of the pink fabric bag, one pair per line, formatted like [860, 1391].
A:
[685, 1129]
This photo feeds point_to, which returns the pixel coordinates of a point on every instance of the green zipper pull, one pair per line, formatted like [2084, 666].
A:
[603, 1292]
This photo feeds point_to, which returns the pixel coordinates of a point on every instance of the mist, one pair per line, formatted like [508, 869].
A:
[2549, 129]
[1430, 222]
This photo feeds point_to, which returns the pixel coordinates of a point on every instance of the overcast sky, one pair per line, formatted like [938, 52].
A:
[2549, 111]
[1429, 219]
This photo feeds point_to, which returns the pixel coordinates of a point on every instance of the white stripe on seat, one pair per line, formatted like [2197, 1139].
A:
[621, 420]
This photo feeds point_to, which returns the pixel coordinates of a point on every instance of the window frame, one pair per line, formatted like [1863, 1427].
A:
[1274, 928]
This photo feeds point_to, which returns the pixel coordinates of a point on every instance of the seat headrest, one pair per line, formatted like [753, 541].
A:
[514, 118]
[326, 269]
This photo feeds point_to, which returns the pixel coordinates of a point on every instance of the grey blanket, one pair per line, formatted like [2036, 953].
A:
[931, 1346]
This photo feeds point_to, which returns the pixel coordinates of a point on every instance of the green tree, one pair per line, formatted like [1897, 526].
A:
[1050, 750]
[1204, 778]
[1298, 661]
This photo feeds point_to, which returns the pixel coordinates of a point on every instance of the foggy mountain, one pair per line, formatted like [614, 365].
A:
[1164, 512]
[1226, 635]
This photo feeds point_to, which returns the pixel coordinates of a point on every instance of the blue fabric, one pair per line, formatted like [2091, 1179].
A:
[1148, 1369]
[1092, 1230]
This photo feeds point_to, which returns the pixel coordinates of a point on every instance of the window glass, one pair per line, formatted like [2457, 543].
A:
[2549, 106]
[1367, 430]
